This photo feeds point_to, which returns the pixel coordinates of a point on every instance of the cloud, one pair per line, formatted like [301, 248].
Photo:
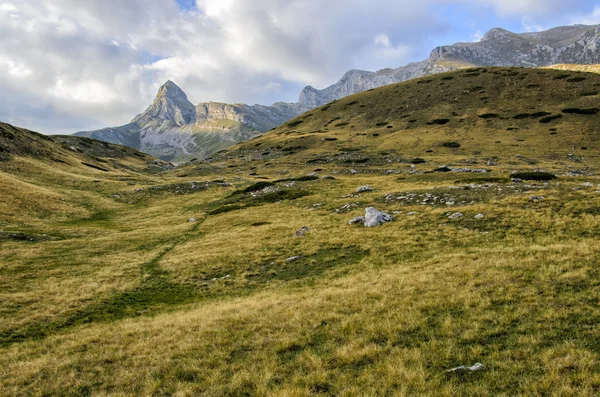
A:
[529, 25]
[68, 65]
[592, 18]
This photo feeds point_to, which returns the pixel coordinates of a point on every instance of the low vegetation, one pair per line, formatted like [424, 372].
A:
[201, 280]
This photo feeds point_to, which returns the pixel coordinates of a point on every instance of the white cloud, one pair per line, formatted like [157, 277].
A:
[592, 18]
[477, 36]
[67, 65]
[529, 25]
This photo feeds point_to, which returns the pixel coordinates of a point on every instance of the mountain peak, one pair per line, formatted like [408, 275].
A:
[171, 90]
[495, 33]
[170, 105]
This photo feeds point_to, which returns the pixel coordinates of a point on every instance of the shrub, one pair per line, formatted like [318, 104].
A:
[550, 118]
[382, 124]
[295, 123]
[489, 116]
[451, 145]
[534, 176]
[256, 186]
[418, 161]
[439, 122]
[581, 111]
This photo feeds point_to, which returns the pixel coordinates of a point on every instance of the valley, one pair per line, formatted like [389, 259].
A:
[122, 274]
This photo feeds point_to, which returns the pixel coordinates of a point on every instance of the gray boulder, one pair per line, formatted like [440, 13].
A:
[374, 218]
[365, 188]
[357, 220]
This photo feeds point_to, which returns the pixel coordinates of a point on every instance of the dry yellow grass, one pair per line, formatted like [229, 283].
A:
[132, 299]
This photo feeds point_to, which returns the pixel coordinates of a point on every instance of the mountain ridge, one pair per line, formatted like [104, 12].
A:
[176, 132]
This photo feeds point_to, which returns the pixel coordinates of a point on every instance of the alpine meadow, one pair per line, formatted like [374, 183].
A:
[437, 234]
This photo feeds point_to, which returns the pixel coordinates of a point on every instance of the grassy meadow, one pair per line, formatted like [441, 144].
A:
[109, 288]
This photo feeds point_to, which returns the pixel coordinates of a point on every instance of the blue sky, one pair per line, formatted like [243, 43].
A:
[69, 65]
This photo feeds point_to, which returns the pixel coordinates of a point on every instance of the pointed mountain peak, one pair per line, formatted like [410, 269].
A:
[171, 90]
[170, 105]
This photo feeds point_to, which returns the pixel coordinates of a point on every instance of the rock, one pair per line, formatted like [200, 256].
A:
[191, 220]
[293, 258]
[411, 213]
[463, 368]
[456, 215]
[353, 172]
[357, 220]
[535, 199]
[479, 216]
[302, 231]
[374, 218]
[588, 184]
[516, 180]
[365, 188]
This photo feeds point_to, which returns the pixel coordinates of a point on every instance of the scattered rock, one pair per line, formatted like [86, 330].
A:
[588, 184]
[516, 180]
[464, 368]
[479, 216]
[357, 220]
[374, 218]
[191, 220]
[365, 188]
[456, 215]
[535, 199]
[302, 231]
[411, 213]
[293, 258]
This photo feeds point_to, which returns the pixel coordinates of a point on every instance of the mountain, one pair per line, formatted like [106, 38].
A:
[173, 129]
[481, 116]
[577, 44]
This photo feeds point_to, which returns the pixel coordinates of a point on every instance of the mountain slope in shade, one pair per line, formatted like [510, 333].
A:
[172, 128]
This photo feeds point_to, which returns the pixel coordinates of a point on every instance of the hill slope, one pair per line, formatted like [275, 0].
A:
[474, 115]
[202, 280]
[38, 172]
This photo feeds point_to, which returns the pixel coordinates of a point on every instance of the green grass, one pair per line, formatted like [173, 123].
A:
[124, 296]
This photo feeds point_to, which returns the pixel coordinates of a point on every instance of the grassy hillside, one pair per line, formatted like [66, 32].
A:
[465, 116]
[192, 282]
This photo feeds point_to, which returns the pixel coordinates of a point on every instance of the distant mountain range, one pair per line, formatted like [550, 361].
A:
[173, 129]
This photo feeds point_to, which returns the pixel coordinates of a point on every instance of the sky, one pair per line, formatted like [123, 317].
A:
[72, 65]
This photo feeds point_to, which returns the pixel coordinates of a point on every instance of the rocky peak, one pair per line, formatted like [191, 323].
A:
[170, 105]
[495, 34]
[310, 96]
[172, 91]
